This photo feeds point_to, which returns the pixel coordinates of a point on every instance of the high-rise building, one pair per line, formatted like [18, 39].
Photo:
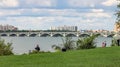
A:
[63, 28]
[7, 27]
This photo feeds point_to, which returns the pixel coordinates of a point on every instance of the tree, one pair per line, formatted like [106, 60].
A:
[117, 24]
[118, 12]
[5, 48]
[87, 42]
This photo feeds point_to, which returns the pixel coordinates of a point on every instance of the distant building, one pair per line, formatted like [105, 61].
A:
[7, 27]
[63, 28]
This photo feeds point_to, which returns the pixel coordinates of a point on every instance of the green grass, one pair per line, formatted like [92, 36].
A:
[99, 57]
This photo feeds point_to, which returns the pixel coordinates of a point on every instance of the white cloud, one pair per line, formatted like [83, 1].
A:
[43, 3]
[109, 2]
[97, 10]
[45, 22]
[9, 3]
[80, 3]
[84, 3]
[4, 12]
[98, 15]
[40, 17]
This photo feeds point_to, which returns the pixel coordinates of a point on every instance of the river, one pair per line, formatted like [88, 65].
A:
[24, 44]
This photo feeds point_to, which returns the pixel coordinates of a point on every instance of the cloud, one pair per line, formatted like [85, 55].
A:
[97, 10]
[9, 3]
[40, 3]
[98, 15]
[72, 12]
[109, 2]
[46, 22]
[30, 22]
[57, 12]
[38, 14]
[84, 3]
[80, 3]
[4, 12]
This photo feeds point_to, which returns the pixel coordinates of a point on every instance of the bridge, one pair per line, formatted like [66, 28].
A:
[51, 34]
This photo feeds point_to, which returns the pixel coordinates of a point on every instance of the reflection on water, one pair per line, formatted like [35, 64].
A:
[24, 44]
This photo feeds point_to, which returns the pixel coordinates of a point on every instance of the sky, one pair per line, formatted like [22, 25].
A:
[42, 14]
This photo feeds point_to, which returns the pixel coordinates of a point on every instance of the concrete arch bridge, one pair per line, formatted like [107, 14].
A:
[51, 34]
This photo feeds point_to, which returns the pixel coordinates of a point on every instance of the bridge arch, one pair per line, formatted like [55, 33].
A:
[70, 35]
[111, 35]
[58, 35]
[22, 35]
[3, 35]
[45, 35]
[84, 35]
[13, 35]
[33, 35]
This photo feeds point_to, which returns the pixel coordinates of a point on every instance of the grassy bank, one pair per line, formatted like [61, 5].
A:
[99, 57]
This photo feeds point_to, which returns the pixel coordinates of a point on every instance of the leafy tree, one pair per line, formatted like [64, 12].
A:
[5, 49]
[118, 24]
[118, 16]
[118, 12]
[87, 42]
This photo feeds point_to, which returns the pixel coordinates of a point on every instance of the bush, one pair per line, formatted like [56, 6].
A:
[86, 43]
[114, 42]
[5, 49]
[56, 47]
[68, 43]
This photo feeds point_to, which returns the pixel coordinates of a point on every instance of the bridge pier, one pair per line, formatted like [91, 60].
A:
[39, 34]
[77, 35]
[64, 35]
[51, 34]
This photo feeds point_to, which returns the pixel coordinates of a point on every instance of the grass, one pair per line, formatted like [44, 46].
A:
[99, 57]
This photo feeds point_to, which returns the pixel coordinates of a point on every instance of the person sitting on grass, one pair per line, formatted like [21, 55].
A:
[37, 48]
[104, 44]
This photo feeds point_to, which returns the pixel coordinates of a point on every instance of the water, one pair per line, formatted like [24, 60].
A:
[24, 44]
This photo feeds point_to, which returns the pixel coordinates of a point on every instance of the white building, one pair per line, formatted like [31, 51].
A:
[7, 27]
[63, 28]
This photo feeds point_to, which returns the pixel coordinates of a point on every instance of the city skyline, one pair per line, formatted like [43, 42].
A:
[42, 14]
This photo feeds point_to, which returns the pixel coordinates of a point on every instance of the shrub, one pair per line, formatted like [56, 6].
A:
[5, 49]
[114, 42]
[57, 48]
[68, 43]
[86, 43]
